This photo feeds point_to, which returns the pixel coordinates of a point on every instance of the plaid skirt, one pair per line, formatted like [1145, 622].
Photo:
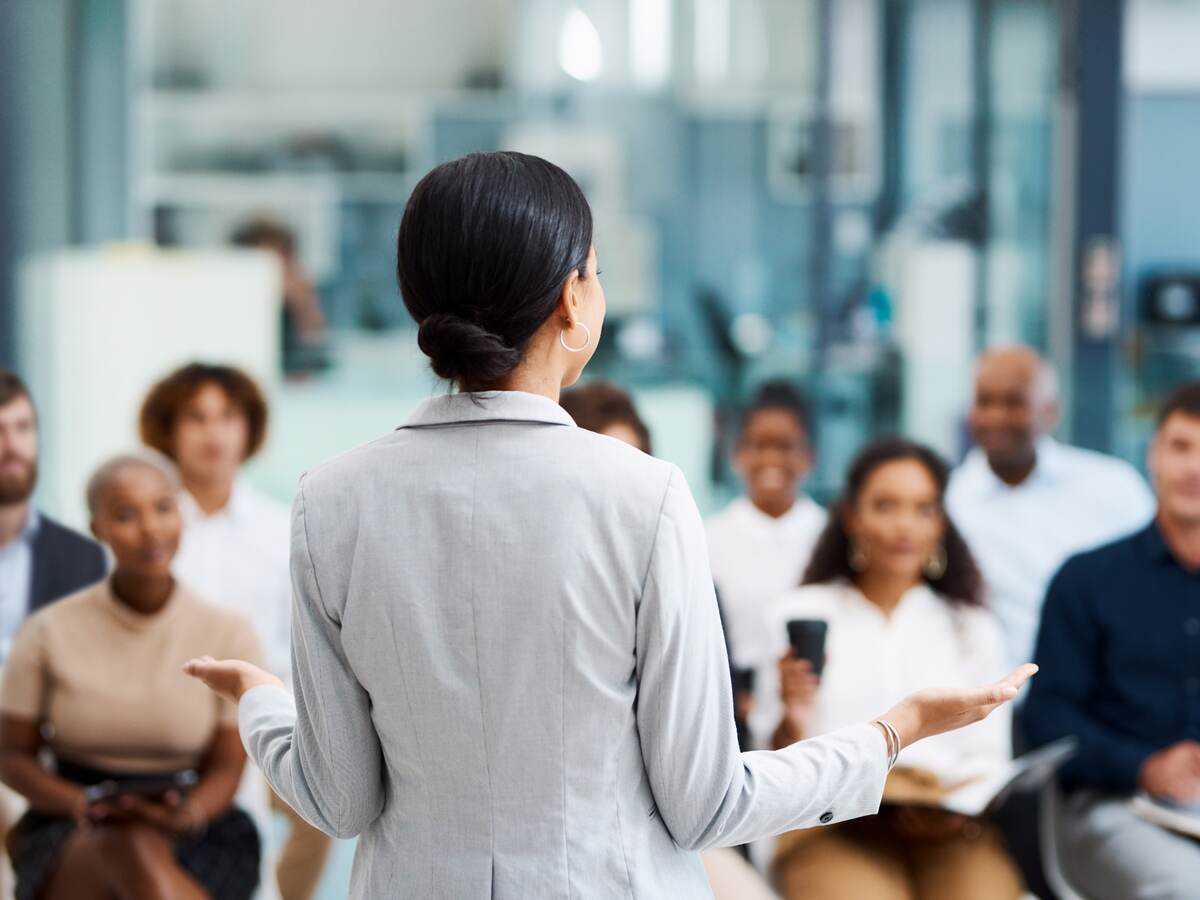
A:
[224, 860]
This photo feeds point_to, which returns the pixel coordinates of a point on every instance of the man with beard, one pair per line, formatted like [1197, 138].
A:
[40, 560]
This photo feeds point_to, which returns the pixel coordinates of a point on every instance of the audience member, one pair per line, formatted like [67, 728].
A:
[900, 595]
[40, 560]
[760, 543]
[210, 419]
[1024, 501]
[302, 320]
[96, 679]
[1120, 644]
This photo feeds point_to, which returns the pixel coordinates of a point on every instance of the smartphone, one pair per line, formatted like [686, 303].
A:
[152, 787]
[807, 637]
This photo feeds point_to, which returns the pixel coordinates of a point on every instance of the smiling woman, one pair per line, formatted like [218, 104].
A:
[760, 543]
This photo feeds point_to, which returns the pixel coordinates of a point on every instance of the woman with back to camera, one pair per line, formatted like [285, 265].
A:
[900, 595]
[510, 678]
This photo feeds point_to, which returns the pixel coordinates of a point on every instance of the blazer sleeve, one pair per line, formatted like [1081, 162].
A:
[320, 752]
[708, 793]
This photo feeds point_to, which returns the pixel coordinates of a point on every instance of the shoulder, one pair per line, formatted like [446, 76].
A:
[726, 519]
[1088, 464]
[1101, 563]
[75, 607]
[968, 477]
[66, 539]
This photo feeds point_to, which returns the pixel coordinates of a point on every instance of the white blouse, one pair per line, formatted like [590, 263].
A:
[873, 661]
[755, 558]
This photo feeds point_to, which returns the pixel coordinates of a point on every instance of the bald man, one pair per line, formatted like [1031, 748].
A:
[1025, 502]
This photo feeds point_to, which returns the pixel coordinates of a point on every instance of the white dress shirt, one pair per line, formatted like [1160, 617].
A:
[874, 661]
[16, 574]
[756, 558]
[238, 558]
[1073, 500]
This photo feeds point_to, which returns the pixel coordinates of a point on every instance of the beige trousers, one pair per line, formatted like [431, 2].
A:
[869, 858]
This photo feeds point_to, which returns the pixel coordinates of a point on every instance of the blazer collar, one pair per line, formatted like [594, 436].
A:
[487, 406]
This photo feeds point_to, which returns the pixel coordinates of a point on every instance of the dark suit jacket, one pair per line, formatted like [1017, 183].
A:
[64, 561]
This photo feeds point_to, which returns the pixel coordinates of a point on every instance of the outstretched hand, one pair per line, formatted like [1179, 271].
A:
[229, 677]
[938, 710]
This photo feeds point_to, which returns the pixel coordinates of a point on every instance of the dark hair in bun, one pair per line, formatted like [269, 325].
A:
[485, 245]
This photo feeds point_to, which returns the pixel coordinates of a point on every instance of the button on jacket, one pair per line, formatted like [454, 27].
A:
[510, 675]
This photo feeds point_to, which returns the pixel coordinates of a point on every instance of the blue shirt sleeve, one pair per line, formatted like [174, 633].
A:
[1070, 653]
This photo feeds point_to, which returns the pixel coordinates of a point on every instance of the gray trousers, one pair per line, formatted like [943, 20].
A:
[1108, 853]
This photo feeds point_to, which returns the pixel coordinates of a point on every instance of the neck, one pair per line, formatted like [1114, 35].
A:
[146, 594]
[210, 496]
[534, 380]
[12, 521]
[1014, 471]
[775, 507]
[1183, 539]
[884, 589]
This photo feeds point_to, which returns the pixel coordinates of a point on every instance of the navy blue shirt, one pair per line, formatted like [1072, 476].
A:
[1119, 650]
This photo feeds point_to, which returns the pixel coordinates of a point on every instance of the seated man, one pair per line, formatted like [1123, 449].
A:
[1120, 654]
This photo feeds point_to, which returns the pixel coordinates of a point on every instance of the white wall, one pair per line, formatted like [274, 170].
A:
[1162, 38]
[97, 327]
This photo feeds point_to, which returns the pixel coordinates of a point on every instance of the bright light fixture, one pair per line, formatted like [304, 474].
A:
[579, 50]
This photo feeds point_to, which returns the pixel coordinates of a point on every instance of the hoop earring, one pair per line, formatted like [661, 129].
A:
[856, 555]
[562, 338]
[935, 566]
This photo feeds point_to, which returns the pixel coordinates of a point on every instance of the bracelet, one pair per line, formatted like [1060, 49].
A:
[892, 738]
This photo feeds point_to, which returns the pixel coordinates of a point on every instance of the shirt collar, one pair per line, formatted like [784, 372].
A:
[1155, 545]
[799, 509]
[487, 406]
[236, 508]
[1049, 466]
[33, 521]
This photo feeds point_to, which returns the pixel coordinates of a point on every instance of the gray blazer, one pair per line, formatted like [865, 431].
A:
[510, 676]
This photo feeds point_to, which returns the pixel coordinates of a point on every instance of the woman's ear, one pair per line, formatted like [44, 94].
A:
[568, 298]
[95, 529]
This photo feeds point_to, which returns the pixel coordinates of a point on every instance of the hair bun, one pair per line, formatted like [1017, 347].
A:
[461, 351]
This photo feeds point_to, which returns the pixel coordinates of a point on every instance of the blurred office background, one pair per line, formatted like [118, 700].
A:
[857, 194]
[854, 194]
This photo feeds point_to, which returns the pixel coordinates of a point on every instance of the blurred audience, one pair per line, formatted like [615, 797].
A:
[303, 326]
[760, 543]
[40, 560]
[900, 594]
[1024, 501]
[96, 679]
[1120, 652]
[211, 419]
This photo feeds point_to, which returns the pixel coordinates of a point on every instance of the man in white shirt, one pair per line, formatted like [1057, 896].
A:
[1025, 502]
[235, 545]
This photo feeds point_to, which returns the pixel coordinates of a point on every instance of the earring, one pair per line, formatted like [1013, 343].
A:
[856, 555]
[562, 338]
[935, 566]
